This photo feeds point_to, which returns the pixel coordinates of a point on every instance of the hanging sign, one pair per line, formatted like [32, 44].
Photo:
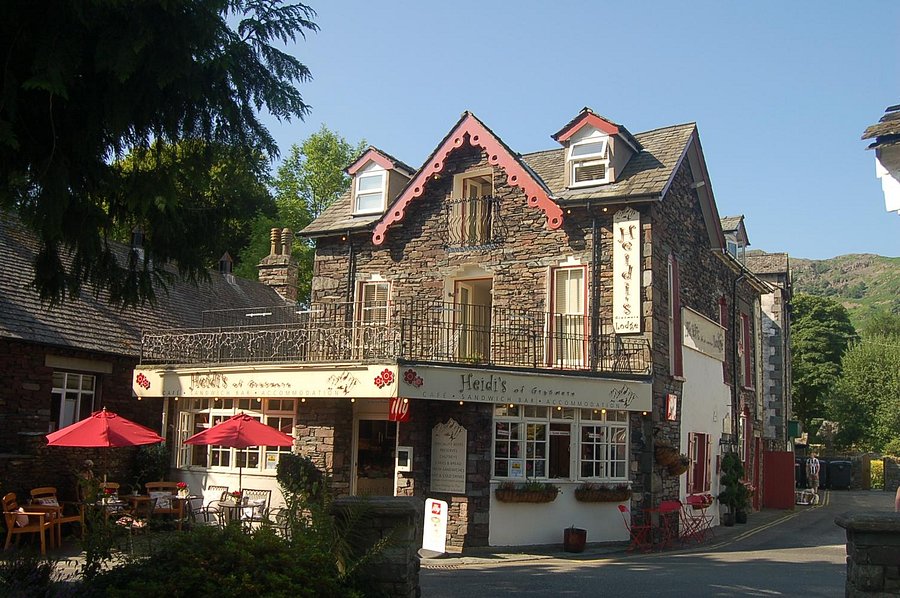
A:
[627, 271]
[399, 410]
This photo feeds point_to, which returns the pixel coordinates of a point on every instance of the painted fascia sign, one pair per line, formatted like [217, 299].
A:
[627, 271]
[373, 381]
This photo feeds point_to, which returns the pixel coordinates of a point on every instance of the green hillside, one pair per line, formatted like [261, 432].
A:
[861, 282]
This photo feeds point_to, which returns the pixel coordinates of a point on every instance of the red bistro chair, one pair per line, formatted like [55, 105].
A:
[639, 534]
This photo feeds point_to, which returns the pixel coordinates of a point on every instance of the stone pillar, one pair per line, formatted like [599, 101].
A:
[394, 569]
[279, 269]
[873, 553]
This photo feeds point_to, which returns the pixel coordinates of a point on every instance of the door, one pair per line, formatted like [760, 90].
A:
[472, 320]
[376, 445]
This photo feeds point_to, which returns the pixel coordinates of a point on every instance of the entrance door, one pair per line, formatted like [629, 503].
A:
[472, 320]
[376, 443]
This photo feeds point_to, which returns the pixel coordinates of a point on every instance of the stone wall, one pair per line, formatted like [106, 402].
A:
[395, 526]
[324, 432]
[25, 459]
[891, 474]
[873, 553]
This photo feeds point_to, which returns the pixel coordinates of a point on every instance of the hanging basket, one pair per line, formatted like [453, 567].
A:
[666, 455]
[602, 494]
[525, 494]
[678, 467]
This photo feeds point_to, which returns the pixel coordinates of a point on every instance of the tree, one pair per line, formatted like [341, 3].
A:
[881, 323]
[820, 333]
[866, 399]
[309, 180]
[85, 83]
[222, 186]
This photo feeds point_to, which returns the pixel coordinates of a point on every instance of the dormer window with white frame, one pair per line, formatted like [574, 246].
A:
[369, 189]
[588, 159]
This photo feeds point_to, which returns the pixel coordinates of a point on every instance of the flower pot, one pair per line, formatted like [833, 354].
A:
[740, 517]
[728, 519]
[574, 539]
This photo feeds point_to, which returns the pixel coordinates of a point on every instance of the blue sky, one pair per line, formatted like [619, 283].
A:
[781, 92]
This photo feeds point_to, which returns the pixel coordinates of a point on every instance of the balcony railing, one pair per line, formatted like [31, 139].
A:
[414, 330]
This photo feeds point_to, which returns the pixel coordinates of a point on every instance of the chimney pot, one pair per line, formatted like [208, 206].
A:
[275, 235]
[286, 241]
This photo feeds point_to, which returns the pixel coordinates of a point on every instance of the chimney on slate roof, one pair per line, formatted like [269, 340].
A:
[279, 269]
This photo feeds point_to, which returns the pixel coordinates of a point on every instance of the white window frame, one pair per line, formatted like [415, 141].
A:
[73, 389]
[478, 230]
[218, 410]
[372, 309]
[588, 159]
[369, 171]
[523, 442]
[572, 353]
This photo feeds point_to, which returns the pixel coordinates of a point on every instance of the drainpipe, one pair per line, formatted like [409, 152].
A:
[351, 277]
[596, 255]
[734, 362]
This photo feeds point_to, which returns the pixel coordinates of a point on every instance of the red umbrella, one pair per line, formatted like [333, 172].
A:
[103, 429]
[241, 431]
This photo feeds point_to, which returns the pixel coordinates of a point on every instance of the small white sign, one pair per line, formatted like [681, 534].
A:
[434, 535]
[517, 468]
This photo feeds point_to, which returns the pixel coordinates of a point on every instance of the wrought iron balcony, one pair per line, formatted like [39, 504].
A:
[424, 331]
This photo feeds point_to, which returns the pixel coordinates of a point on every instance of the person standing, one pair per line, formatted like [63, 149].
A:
[897, 500]
[812, 473]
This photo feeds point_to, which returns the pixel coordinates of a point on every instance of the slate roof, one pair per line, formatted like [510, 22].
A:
[730, 223]
[90, 322]
[646, 174]
[887, 130]
[760, 262]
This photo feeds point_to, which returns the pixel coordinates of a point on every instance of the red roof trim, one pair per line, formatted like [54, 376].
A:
[587, 118]
[498, 155]
[373, 155]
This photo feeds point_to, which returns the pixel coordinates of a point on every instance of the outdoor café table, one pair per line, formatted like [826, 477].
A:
[231, 511]
[663, 521]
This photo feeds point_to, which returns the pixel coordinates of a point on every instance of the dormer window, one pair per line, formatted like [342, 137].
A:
[589, 161]
[369, 190]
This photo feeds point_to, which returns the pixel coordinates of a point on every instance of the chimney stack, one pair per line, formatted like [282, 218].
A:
[279, 269]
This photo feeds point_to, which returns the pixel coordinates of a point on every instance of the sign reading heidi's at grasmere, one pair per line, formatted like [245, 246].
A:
[462, 384]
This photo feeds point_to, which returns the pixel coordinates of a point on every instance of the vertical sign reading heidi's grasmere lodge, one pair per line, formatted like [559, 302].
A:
[448, 458]
[627, 271]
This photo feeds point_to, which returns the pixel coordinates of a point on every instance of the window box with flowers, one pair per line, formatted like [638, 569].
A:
[593, 492]
[534, 492]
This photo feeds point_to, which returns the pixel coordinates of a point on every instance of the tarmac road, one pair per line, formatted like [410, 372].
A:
[778, 553]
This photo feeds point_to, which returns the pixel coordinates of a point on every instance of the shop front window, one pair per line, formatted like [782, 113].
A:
[537, 442]
[201, 414]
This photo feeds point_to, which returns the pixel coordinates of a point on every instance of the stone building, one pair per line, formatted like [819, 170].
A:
[775, 269]
[491, 319]
[58, 364]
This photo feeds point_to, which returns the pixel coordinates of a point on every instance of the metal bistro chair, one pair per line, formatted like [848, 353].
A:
[256, 509]
[20, 522]
[208, 511]
[696, 522]
[639, 534]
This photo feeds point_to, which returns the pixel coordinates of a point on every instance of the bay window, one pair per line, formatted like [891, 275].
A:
[200, 414]
[543, 442]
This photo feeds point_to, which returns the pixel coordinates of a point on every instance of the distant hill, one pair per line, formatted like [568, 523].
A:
[861, 282]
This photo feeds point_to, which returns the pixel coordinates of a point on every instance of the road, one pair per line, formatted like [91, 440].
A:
[789, 553]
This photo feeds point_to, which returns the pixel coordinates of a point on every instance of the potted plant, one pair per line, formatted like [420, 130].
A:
[574, 539]
[594, 492]
[734, 493]
[530, 491]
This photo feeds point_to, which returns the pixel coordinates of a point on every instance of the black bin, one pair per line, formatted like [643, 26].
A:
[800, 473]
[839, 475]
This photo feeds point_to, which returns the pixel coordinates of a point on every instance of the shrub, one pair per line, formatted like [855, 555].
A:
[226, 563]
[28, 575]
[892, 447]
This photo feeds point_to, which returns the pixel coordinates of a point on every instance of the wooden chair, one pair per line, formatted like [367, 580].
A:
[256, 510]
[25, 522]
[45, 499]
[164, 500]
